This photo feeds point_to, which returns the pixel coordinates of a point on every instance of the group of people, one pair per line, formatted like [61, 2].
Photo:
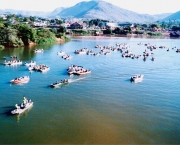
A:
[23, 104]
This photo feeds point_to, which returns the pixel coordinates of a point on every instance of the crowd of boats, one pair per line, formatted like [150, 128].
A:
[123, 48]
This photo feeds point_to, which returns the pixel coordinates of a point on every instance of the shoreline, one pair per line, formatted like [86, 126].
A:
[165, 35]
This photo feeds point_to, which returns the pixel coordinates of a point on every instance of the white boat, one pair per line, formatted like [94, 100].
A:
[31, 63]
[44, 69]
[12, 62]
[82, 72]
[21, 108]
[90, 52]
[41, 68]
[60, 53]
[68, 57]
[137, 78]
[39, 50]
[20, 80]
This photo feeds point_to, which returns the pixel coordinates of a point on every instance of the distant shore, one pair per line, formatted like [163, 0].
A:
[164, 35]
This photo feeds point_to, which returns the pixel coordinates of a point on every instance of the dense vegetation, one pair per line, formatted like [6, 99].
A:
[20, 33]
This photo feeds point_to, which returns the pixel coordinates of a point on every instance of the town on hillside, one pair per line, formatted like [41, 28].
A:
[32, 29]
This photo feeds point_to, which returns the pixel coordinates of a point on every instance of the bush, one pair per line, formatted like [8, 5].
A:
[1, 47]
[154, 33]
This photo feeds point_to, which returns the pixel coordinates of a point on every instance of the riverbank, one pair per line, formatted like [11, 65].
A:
[164, 35]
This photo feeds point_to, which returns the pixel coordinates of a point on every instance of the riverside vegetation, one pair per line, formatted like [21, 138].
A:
[20, 34]
[18, 31]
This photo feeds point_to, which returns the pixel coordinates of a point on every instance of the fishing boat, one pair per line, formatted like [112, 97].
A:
[137, 78]
[82, 72]
[23, 107]
[31, 63]
[60, 53]
[39, 50]
[62, 82]
[20, 80]
[12, 62]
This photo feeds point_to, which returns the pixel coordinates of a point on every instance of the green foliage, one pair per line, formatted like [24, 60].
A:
[154, 25]
[1, 47]
[32, 19]
[1, 25]
[83, 32]
[154, 33]
[45, 36]
[107, 31]
[120, 31]
[8, 37]
[26, 33]
[61, 29]
[96, 22]
[58, 21]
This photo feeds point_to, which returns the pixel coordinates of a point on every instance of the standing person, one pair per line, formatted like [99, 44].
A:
[24, 100]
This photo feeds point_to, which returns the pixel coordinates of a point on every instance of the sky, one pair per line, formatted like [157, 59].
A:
[139, 6]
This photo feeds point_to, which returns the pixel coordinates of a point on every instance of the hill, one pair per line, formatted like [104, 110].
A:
[174, 16]
[23, 12]
[104, 10]
[95, 9]
[55, 13]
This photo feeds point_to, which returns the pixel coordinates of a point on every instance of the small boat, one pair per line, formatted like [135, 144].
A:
[60, 53]
[12, 62]
[44, 69]
[82, 72]
[20, 80]
[137, 78]
[39, 50]
[31, 63]
[23, 107]
[62, 82]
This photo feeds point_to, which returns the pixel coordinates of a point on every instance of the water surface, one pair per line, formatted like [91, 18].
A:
[103, 107]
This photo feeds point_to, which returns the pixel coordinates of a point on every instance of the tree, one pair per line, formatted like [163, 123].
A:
[154, 25]
[107, 31]
[32, 19]
[8, 37]
[45, 36]
[62, 29]
[58, 21]
[26, 33]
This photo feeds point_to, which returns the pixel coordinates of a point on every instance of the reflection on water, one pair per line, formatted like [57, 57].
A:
[103, 107]
[22, 115]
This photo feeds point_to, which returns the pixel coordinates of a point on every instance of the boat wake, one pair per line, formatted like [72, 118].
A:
[75, 80]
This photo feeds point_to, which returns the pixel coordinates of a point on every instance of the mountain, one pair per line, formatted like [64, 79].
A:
[24, 12]
[92, 10]
[174, 16]
[161, 16]
[104, 10]
[55, 12]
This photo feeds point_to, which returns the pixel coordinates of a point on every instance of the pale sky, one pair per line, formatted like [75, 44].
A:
[139, 6]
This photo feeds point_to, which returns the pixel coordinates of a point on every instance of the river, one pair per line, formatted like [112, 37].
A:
[102, 107]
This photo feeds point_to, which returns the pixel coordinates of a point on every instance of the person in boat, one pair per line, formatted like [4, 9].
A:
[16, 106]
[22, 105]
[25, 100]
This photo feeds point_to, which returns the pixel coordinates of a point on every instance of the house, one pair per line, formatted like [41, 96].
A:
[75, 26]
[111, 26]
[3, 16]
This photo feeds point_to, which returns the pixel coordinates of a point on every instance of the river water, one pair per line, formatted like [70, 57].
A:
[103, 107]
